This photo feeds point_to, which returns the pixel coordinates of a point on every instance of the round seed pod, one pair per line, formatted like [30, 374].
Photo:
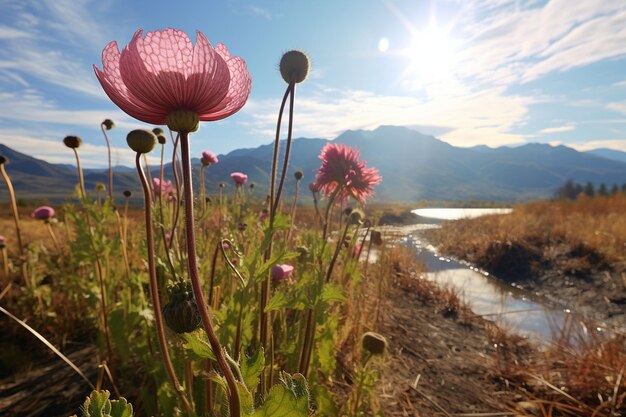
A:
[100, 187]
[108, 124]
[356, 216]
[158, 131]
[374, 343]
[162, 139]
[72, 142]
[181, 313]
[183, 121]
[141, 140]
[127, 193]
[294, 66]
[298, 175]
[3, 160]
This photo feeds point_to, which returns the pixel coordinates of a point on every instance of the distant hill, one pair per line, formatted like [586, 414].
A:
[414, 166]
[609, 154]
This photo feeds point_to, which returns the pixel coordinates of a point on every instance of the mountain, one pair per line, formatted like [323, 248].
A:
[608, 154]
[414, 166]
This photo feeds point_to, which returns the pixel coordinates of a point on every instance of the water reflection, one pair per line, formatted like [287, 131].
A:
[458, 213]
[487, 296]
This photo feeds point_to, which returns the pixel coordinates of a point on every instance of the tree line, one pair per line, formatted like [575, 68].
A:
[571, 190]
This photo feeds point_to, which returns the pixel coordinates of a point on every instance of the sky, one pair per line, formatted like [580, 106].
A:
[470, 72]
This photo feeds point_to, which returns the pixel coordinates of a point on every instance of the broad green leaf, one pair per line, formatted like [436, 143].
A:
[121, 408]
[251, 368]
[97, 404]
[279, 300]
[333, 293]
[196, 348]
[288, 399]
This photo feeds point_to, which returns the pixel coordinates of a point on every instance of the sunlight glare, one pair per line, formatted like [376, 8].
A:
[432, 55]
[383, 45]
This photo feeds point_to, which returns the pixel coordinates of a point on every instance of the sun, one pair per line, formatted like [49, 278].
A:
[432, 55]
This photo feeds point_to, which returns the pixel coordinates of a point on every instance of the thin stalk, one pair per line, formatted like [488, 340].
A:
[154, 290]
[81, 179]
[329, 272]
[5, 265]
[202, 190]
[103, 304]
[293, 211]
[283, 175]
[276, 146]
[106, 138]
[177, 184]
[213, 265]
[233, 394]
[54, 238]
[18, 230]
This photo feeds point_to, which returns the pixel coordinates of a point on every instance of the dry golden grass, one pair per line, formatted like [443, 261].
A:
[591, 231]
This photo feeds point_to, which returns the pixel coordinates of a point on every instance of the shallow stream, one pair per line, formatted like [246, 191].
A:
[508, 306]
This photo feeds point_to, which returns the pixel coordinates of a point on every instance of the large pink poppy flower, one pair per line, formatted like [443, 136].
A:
[164, 73]
[342, 173]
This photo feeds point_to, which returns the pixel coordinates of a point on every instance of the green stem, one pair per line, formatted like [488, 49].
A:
[81, 179]
[106, 138]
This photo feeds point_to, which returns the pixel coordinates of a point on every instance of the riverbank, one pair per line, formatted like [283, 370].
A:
[572, 253]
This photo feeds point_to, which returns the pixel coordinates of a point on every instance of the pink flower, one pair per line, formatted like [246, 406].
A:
[356, 251]
[43, 213]
[342, 173]
[164, 188]
[164, 73]
[208, 158]
[264, 215]
[281, 272]
[239, 177]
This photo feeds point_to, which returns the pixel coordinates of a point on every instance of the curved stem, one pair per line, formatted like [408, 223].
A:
[329, 272]
[233, 393]
[202, 190]
[177, 184]
[18, 229]
[81, 179]
[276, 146]
[154, 291]
[110, 166]
[292, 89]
[54, 239]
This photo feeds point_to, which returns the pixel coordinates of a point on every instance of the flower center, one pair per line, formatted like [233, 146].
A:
[183, 121]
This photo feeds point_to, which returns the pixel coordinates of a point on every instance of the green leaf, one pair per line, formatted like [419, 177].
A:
[197, 348]
[121, 408]
[333, 293]
[279, 300]
[251, 368]
[276, 259]
[289, 399]
[97, 404]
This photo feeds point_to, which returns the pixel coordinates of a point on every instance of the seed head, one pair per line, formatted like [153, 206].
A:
[294, 66]
[127, 193]
[374, 343]
[72, 142]
[3, 160]
[162, 139]
[141, 140]
[100, 186]
[298, 175]
[108, 124]
[158, 131]
[356, 216]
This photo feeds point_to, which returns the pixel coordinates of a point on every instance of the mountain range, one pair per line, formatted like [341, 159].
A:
[413, 166]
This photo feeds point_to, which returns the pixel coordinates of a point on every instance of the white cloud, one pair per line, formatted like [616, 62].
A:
[619, 107]
[259, 11]
[470, 117]
[559, 129]
[616, 144]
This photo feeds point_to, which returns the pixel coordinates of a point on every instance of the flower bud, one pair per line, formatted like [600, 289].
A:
[127, 193]
[141, 140]
[183, 121]
[356, 216]
[158, 131]
[181, 313]
[242, 227]
[281, 272]
[294, 66]
[374, 343]
[162, 139]
[3, 160]
[72, 142]
[298, 175]
[108, 124]
[43, 213]
[100, 186]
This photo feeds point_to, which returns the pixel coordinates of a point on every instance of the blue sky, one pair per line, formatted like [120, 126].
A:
[494, 72]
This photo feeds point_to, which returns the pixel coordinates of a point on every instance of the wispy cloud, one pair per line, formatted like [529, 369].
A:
[619, 107]
[259, 11]
[616, 144]
[559, 129]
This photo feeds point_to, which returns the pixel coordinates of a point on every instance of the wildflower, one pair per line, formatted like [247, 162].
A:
[43, 213]
[343, 175]
[164, 79]
[208, 158]
[164, 188]
[181, 313]
[281, 272]
[239, 177]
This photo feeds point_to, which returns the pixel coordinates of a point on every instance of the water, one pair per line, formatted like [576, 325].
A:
[508, 306]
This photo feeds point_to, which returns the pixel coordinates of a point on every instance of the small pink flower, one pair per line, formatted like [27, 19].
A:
[164, 188]
[239, 177]
[342, 173]
[208, 158]
[281, 272]
[356, 252]
[263, 215]
[43, 213]
[164, 72]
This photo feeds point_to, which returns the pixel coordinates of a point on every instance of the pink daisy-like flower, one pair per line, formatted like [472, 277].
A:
[164, 72]
[164, 188]
[208, 158]
[240, 178]
[281, 272]
[43, 213]
[342, 173]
